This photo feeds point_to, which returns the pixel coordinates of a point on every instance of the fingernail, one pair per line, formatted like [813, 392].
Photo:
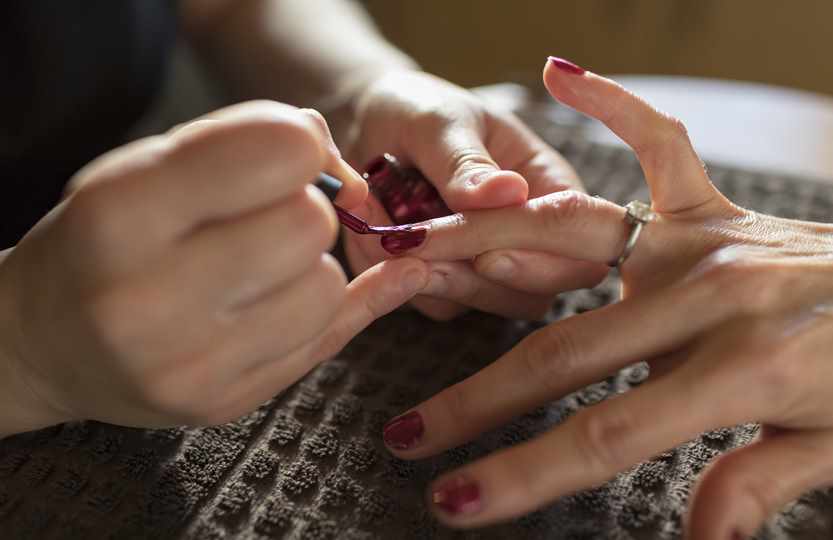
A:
[501, 268]
[457, 496]
[413, 282]
[566, 65]
[401, 241]
[403, 432]
[739, 536]
[437, 284]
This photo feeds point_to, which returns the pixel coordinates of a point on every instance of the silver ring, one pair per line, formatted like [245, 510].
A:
[637, 215]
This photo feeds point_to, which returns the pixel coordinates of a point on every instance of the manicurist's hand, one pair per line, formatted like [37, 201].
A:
[186, 279]
[732, 309]
[477, 157]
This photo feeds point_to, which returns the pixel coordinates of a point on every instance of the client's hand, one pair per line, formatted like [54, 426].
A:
[476, 157]
[186, 278]
[732, 309]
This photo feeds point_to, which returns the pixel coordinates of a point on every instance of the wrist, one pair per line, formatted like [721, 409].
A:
[21, 409]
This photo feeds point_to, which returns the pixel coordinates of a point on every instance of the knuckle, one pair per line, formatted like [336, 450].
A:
[468, 159]
[318, 120]
[315, 217]
[675, 129]
[430, 119]
[550, 355]
[92, 214]
[332, 282]
[561, 209]
[778, 373]
[600, 439]
[729, 274]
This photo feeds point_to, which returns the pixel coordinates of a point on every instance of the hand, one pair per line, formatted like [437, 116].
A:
[173, 284]
[476, 157]
[732, 309]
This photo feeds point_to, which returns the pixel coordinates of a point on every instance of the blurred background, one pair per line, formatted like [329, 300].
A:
[474, 42]
[752, 79]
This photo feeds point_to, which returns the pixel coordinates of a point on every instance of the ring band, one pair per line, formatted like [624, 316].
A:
[637, 215]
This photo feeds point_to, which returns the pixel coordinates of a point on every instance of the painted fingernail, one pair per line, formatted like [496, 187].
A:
[739, 536]
[403, 432]
[501, 268]
[401, 241]
[566, 65]
[457, 496]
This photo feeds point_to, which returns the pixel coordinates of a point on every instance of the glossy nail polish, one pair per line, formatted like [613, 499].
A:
[457, 496]
[566, 65]
[407, 196]
[403, 432]
[402, 241]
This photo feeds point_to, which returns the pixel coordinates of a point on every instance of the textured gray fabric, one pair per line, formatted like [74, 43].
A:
[310, 463]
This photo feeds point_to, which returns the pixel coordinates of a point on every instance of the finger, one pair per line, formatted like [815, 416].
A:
[354, 188]
[567, 223]
[453, 158]
[373, 294]
[673, 170]
[516, 147]
[212, 170]
[253, 255]
[556, 360]
[745, 487]
[282, 322]
[587, 449]
[538, 272]
[364, 251]
[458, 282]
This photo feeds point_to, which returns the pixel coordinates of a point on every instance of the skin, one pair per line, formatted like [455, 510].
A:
[377, 100]
[731, 308]
[71, 343]
[152, 295]
[477, 157]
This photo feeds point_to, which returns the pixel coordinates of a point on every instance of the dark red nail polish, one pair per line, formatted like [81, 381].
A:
[739, 536]
[566, 65]
[404, 431]
[457, 496]
[401, 241]
[406, 195]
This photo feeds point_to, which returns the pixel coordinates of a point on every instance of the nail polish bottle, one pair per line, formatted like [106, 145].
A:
[405, 193]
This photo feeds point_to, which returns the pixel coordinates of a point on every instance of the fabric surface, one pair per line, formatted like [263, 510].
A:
[310, 464]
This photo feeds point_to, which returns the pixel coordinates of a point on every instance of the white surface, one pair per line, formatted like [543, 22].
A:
[748, 125]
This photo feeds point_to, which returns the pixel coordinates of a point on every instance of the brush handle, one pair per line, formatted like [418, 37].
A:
[329, 185]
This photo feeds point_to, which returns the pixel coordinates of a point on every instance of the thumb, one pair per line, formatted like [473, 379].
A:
[374, 293]
[455, 159]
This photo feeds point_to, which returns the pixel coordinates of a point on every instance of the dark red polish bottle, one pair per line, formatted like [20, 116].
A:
[405, 193]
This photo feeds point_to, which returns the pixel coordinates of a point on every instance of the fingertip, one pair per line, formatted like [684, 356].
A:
[559, 75]
[492, 189]
[354, 189]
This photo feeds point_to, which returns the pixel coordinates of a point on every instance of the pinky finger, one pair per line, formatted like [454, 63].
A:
[742, 489]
